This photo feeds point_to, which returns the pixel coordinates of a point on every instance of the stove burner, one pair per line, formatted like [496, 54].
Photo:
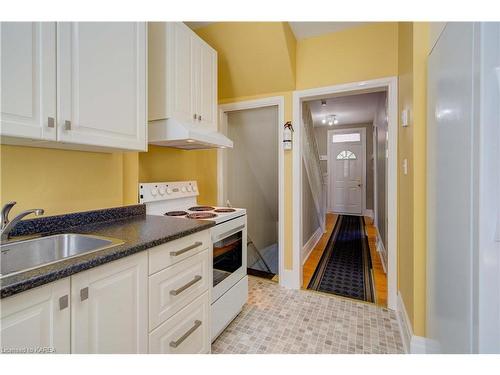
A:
[176, 213]
[201, 208]
[201, 215]
[224, 210]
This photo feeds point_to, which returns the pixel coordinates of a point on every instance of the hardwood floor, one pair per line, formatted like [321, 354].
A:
[315, 256]
[379, 276]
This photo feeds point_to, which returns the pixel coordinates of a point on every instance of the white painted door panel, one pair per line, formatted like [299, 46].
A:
[181, 93]
[28, 79]
[36, 321]
[187, 332]
[102, 84]
[114, 316]
[207, 86]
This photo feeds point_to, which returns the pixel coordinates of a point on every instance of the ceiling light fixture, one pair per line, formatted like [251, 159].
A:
[324, 120]
[335, 120]
[330, 120]
[323, 102]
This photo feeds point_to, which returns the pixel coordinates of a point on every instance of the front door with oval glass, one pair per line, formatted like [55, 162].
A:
[345, 172]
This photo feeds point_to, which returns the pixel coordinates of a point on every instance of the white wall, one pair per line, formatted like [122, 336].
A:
[380, 123]
[252, 171]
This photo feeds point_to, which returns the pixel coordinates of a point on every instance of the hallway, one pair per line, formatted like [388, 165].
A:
[278, 320]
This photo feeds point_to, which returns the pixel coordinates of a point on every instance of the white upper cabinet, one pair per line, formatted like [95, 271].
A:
[205, 66]
[81, 85]
[28, 80]
[182, 76]
[102, 84]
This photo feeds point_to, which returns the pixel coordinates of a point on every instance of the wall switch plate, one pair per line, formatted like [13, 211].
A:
[404, 117]
[405, 166]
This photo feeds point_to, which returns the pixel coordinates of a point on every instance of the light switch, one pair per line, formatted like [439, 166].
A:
[405, 166]
[405, 117]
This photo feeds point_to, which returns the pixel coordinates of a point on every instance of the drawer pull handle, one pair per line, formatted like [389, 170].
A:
[184, 287]
[175, 344]
[182, 251]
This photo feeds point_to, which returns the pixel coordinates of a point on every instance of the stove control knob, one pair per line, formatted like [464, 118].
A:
[188, 188]
[194, 188]
[154, 191]
[162, 190]
[169, 191]
[183, 189]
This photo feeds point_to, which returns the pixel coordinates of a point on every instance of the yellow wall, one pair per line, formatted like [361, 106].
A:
[60, 181]
[253, 57]
[350, 55]
[169, 164]
[413, 51]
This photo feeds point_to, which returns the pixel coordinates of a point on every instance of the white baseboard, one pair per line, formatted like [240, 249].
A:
[369, 213]
[311, 242]
[412, 344]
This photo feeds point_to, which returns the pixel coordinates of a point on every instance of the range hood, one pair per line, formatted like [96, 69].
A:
[172, 133]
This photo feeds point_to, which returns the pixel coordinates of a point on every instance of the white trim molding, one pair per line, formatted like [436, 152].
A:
[279, 101]
[310, 244]
[412, 344]
[390, 84]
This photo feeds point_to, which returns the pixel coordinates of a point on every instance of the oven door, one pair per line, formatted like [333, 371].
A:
[229, 254]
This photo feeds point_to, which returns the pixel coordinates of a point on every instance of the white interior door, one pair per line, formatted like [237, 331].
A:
[346, 166]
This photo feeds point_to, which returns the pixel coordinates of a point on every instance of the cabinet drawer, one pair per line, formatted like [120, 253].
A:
[173, 252]
[187, 332]
[173, 288]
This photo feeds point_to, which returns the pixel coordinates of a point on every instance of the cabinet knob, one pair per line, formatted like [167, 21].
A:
[67, 125]
[84, 294]
[194, 116]
[63, 302]
[51, 122]
[199, 117]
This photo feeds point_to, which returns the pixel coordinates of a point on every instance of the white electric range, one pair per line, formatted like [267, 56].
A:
[229, 239]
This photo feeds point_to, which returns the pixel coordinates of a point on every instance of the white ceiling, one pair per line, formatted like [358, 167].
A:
[353, 109]
[308, 29]
[301, 29]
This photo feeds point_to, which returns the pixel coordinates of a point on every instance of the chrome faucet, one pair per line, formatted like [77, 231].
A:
[7, 225]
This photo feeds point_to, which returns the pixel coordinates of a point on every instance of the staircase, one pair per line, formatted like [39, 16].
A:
[310, 158]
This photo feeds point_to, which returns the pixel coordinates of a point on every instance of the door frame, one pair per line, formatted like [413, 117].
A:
[342, 130]
[273, 101]
[390, 84]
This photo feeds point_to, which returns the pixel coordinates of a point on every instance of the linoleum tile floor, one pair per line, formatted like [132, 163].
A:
[279, 320]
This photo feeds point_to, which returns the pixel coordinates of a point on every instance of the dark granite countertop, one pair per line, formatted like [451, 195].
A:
[139, 232]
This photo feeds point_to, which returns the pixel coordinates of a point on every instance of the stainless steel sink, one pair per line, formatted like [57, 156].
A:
[29, 254]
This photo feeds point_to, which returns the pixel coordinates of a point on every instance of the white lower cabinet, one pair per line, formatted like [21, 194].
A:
[109, 312]
[119, 307]
[37, 321]
[187, 332]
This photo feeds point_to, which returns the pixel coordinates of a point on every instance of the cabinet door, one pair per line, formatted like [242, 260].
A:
[102, 84]
[110, 307]
[37, 321]
[207, 86]
[28, 80]
[180, 80]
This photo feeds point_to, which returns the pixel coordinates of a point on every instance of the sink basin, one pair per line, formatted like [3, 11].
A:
[29, 254]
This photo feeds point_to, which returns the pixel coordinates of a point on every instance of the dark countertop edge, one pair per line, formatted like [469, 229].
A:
[49, 277]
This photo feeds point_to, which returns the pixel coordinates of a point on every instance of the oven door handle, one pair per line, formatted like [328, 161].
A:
[228, 233]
